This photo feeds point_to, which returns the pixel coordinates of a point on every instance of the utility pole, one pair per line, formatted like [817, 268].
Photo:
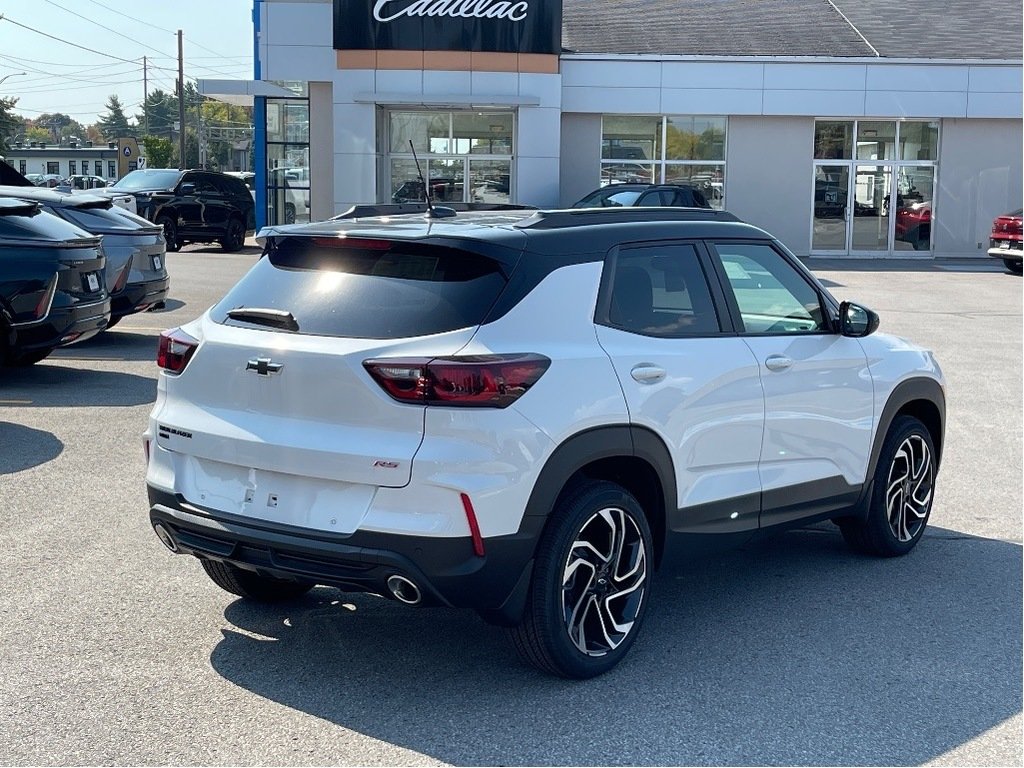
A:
[145, 95]
[181, 106]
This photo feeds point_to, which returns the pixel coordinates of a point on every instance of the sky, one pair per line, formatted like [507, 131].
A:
[62, 78]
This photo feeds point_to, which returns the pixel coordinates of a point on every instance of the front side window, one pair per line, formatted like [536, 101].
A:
[772, 296]
[661, 290]
[685, 150]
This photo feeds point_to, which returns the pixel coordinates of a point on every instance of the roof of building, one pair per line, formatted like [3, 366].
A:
[952, 29]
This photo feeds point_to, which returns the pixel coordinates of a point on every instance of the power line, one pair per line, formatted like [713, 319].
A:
[66, 42]
[33, 91]
[102, 26]
[21, 59]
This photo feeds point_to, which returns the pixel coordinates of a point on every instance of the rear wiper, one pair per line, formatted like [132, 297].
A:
[276, 318]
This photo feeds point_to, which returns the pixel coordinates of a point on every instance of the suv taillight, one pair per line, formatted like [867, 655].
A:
[175, 350]
[482, 381]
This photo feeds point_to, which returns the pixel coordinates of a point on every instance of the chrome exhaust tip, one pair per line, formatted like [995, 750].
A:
[403, 590]
[165, 537]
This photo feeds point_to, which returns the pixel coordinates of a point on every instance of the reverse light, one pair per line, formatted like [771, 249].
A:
[480, 381]
[175, 350]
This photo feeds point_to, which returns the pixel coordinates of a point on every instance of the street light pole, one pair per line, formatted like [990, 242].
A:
[13, 74]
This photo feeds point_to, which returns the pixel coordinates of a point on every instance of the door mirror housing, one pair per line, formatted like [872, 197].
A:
[857, 321]
[188, 188]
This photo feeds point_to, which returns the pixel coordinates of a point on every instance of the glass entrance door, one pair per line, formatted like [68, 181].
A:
[871, 206]
[831, 196]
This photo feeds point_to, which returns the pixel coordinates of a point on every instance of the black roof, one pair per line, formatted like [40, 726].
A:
[556, 232]
[950, 29]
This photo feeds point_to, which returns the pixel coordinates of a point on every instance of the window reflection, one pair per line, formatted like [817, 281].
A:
[876, 140]
[833, 140]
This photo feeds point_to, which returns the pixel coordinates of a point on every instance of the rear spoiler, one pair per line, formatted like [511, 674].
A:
[399, 209]
[11, 178]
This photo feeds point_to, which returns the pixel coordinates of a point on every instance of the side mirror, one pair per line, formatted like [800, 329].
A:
[186, 189]
[857, 321]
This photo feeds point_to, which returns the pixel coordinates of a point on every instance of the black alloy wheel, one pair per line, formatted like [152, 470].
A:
[234, 239]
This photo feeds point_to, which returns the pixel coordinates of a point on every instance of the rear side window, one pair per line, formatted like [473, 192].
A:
[661, 290]
[386, 290]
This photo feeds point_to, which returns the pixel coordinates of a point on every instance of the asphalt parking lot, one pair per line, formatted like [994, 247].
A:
[791, 651]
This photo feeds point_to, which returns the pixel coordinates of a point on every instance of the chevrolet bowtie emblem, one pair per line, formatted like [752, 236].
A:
[264, 366]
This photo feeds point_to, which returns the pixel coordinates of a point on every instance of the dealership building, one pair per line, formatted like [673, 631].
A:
[856, 127]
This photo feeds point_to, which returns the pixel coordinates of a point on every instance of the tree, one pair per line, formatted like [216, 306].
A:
[35, 133]
[114, 124]
[162, 111]
[158, 151]
[10, 123]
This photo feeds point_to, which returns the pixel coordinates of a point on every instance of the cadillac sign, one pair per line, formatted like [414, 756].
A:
[508, 26]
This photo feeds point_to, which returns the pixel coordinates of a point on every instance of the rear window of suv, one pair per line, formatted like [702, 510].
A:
[386, 290]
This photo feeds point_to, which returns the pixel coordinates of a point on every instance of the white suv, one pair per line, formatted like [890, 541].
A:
[524, 413]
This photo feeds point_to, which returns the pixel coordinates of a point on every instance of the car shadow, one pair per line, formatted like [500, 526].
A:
[789, 651]
[215, 248]
[117, 344]
[169, 306]
[48, 385]
[22, 447]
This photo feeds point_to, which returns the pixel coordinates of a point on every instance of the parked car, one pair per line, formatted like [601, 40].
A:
[52, 291]
[526, 412]
[192, 206]
[1006, 240]
[630, 195]
[35, 178]
[248, 178]
[289, 189]
[52, 180]
[84, 181]
[135, 272]
[442, 189]
[914, 224]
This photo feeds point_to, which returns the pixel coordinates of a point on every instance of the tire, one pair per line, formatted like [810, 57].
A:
[234, 239]
[170, 232]
[902, 492]
[25, 359]
[1014, 265]
[289, 213]
[252, 586]
[577, 572]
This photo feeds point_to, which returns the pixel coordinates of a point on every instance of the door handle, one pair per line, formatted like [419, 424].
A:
[646, 373]
[778, 363]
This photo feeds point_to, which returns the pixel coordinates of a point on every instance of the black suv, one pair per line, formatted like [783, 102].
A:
[52, 291]
[639, 195]
[193, 206]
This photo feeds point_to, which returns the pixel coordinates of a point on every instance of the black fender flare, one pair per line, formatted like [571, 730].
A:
[908, 391]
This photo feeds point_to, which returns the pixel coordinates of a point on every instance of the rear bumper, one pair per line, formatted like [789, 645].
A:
[444, 568]
[64, 325]
[137, 297]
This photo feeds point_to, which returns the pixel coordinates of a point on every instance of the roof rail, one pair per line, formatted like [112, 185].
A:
[398, 209]
[577, 217]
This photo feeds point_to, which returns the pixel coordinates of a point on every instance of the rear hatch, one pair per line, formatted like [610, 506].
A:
[277, 387]
[134, 247]
[61, 265]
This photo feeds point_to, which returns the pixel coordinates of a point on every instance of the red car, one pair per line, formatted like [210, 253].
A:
[914, 224]
[1006, 240]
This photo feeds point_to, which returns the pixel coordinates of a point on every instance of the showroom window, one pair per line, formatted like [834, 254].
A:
[667, 149]
[288, 171]
[465, 156]
[874, 182]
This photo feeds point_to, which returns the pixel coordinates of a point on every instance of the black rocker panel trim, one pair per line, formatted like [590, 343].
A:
[817, 498]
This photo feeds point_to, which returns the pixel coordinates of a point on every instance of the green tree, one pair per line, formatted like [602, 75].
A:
[10, 124]
[35, 133]
[114, 124]
[158, 151]
[162, 110]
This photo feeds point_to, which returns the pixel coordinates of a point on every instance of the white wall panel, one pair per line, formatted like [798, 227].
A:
[546, 88]
[445, 83]
[580, 161]
[399, 81]
[916, 77]
[612, 74]
[349, 82]
[994, 105]
[298, 62]
[612, 100]
[994, 79]
[354, 128]
[299, 24]
[321, 151]
[537, 181]
[915, 104]
[538, 134]
[724, 74]
[355, 180]
[707, 101]
[495, 83]
[814, 103]
[811, 77]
